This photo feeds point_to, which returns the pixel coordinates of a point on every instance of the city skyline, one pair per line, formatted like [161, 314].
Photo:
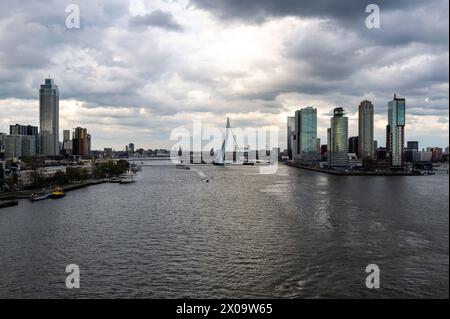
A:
[221, 60]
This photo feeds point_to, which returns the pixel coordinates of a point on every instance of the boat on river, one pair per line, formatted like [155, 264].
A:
[127, 178]
[58, 192]
[39, 196]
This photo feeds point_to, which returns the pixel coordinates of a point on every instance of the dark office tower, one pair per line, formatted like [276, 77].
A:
[413, 145]
[396, 120]
[388, 140]
[89, 138]
[80, 142]
[365, 130]
[290, 135]
[49, 118]
[23, 130]
[353, 145]
[306, 135]
[131, 148]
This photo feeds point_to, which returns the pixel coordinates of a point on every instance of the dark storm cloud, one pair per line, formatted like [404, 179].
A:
[402, 21]
[157, 18]
[260, 10]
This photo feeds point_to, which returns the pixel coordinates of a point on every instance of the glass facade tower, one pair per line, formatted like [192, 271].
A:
[306, 135]
[290, 135]
[49, 118]
[365, 130]
[396, 134]
[338, 139]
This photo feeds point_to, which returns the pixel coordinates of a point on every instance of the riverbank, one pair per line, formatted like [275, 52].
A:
[67, 188]
[351, 172]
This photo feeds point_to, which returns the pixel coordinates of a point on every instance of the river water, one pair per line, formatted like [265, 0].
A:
[294, 234]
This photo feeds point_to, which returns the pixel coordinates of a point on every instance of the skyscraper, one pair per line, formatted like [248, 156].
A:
[17, 146]
[365, 130]
[306, 135]
[353, 145]
[31, 132]
[80, 142]
[338, 140]
[396, 135]
[131, 148]
[2, 146]
[413, 145]
[290, 135]
[66, 135]
[23, 130]
[49, 118]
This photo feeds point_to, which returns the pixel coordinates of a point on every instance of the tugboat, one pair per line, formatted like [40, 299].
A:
[57, 193]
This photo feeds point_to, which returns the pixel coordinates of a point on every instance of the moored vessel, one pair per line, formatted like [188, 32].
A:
[58, 192]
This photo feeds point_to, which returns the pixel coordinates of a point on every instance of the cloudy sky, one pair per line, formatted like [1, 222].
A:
[136, 70]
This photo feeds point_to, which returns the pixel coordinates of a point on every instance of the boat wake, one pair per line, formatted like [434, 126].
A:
[201, 174]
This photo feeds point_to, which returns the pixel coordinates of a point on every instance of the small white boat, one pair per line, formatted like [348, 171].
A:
[127, 178]
[114, 180]
[37, 197]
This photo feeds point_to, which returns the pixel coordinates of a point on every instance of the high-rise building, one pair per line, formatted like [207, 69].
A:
[131, 148]
[381, 154]
[89, 138]
[80, 142]
[413, 145]
[388, 140]
[353, 145]
[49, 118]
[2, 145]
[17, 146]
[437, 153]
[396, 120]
[306, 135]
[338, 140]
[23, 130]
[290, 135]
[323, 151]
[67, 144]
[365, 130]
[27, 130]
[66, 135]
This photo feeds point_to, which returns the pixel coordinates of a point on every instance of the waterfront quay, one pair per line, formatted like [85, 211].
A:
[351, 172]
[25, 194]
